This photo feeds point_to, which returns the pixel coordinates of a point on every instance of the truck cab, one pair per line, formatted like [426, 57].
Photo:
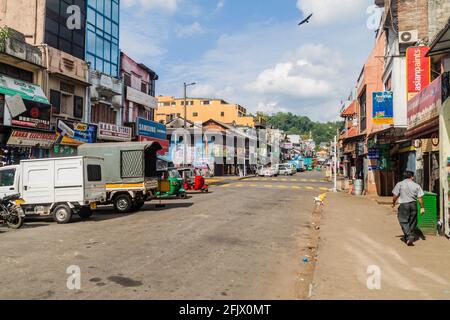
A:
[9, 181]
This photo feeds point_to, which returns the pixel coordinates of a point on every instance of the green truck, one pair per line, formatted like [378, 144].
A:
[130, 172]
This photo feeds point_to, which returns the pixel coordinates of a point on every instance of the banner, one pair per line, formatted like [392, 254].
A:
[383, 108]
[418, 70]
[75, 133]
[31, 139]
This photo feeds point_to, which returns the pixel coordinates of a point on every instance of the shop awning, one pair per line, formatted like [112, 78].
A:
[441, 43]
[26, 90]
[424, 131]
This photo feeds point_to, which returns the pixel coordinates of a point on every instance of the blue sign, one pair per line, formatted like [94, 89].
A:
[75, 133]
[151, 129]
[383, 108]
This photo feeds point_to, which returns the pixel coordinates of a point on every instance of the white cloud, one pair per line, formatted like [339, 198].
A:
[331, 11]
[220, 5]
[189, 30]
[166, 5]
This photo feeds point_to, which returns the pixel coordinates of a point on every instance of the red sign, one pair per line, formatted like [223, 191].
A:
[164, 144]
[418, 69]
[425, 105]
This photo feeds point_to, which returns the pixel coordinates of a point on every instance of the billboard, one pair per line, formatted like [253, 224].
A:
[112, 132]
[73, 133]
[383, 107]
[418, 70]
[151, 129]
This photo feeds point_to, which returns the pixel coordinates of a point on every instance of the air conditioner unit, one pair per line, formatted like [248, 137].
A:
[411, 36]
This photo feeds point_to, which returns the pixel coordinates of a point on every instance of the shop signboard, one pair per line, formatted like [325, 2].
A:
[425, 106]
[28, 91]
[73, 133]
[418, 70]
[151, 129]
[112, 132]
[383, 108]
[31, 139]
[141, 98]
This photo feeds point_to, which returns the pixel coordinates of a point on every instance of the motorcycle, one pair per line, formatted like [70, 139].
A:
[10, 211]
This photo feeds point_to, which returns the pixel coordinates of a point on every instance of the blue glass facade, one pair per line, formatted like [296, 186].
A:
[102, 36]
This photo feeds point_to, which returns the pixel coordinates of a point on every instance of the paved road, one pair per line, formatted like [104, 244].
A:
[242, 241]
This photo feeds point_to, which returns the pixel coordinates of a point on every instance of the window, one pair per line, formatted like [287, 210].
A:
[55, 101]
[362, 112]
[94, 172]
[222, 114]
[16, 73]
[127, 79]
[144, 87]
[206, 103]
[78, 107]
[7, 178]
[195, 114]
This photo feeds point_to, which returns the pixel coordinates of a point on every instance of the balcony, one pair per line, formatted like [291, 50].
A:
[105, 85]
[16, 48]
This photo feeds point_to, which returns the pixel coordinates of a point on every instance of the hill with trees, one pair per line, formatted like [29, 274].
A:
[303, 126]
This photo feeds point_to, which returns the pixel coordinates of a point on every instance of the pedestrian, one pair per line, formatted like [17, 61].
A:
[407, 192]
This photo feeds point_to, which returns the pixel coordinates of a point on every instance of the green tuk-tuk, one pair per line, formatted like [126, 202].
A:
[171, 187]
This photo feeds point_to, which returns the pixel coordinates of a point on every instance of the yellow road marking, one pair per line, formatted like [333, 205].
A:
[309, 188]
[225, 185]
[268, 186]
[295, 187]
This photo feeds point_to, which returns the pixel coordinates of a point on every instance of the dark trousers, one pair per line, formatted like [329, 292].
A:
[407, 216]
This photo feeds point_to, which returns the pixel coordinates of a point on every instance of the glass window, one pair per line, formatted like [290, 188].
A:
[7, 177]
[91, 17]
[100, 6]
[99, 64]
[115, 12]
[99, 21]
[94, 172]
[92, 3]
[108, 26]
[99, 47]
[115, 30]
[108, 9]
[90, 42]
[114, 54]
[91, 59]
[107, 51]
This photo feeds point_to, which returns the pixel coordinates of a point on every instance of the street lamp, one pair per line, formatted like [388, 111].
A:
[185, 114]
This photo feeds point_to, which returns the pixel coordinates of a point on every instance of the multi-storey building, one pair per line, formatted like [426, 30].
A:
[139, 90]
[202, 110]
[103, 55]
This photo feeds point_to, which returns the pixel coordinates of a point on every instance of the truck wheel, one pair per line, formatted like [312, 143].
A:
[85, 213]
[62, 214]
[123, 203]
[138, 205]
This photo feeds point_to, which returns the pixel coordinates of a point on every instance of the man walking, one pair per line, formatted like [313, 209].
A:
[407, 193]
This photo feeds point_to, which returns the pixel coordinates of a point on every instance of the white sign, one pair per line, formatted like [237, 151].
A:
[31, 139]
[139, 97]
[112, 132]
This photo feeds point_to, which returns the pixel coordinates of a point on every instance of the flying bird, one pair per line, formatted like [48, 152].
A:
[306, 20]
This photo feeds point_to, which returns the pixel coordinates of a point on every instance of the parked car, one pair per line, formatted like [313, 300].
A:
[131, 173]
[284, 169]
[261, 171]
[58, 186]
[293, 168]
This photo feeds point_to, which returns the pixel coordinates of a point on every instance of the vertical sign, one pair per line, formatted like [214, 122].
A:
[418, 69]
[383, 108]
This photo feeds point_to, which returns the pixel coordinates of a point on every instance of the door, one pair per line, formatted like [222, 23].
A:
[68, 180]
[8, 181]
[38, 182]
[94, 184]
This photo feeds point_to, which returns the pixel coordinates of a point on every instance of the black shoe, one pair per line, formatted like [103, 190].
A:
[410, 243]
[403, 239]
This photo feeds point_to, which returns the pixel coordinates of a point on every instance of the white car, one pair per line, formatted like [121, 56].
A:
[284, 169]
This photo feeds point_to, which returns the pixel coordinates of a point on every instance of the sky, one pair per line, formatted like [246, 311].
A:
[252, 52]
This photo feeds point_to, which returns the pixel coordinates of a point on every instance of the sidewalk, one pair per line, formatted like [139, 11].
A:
[357, 232]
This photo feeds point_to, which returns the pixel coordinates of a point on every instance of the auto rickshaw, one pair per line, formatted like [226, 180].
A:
[172, 187]
[194, 180]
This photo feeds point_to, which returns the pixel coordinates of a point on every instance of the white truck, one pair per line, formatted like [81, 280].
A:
[58, 186]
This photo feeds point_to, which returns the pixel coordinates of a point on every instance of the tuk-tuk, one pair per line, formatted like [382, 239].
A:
[172, 186]
[193, 179]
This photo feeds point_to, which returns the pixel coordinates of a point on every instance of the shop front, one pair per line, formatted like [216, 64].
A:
[147, 130]
[25, 114]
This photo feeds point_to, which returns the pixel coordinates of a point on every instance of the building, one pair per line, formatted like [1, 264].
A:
[139, 90]
[25, 111]
[201, 110]
[103, 56]
[66, 79]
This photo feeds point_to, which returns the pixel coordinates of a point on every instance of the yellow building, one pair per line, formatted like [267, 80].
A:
[201, 110]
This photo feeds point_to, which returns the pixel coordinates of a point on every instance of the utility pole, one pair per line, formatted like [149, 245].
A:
[335, 164]
[185, 119]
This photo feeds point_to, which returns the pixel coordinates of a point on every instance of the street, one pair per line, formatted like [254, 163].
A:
[244, 240]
